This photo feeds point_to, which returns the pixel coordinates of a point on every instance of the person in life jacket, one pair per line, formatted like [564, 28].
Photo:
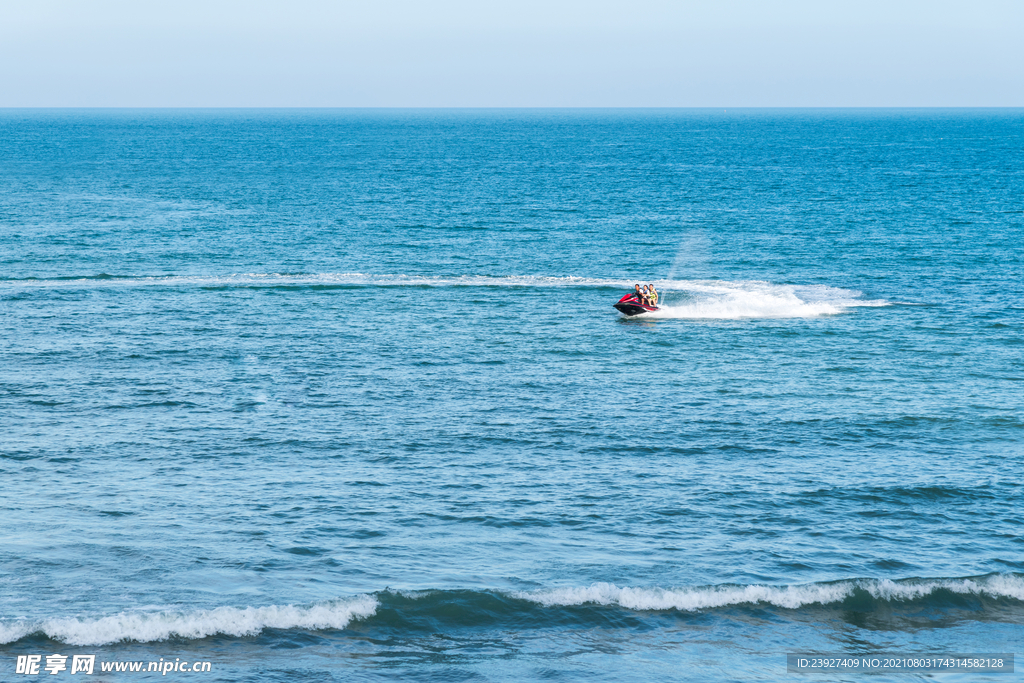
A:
[652, 294]
[638, 294]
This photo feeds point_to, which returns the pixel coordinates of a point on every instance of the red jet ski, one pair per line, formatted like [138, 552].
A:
[632, 305]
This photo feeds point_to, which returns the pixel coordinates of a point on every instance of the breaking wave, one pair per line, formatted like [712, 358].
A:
[145, 627]
[788, 597]
[430, 610]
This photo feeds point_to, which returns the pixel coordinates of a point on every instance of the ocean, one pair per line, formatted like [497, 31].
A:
[340, 395]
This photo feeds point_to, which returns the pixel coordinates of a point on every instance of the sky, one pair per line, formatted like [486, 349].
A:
[526, 53]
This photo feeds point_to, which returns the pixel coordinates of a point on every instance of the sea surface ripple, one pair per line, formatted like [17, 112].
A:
[340, 395]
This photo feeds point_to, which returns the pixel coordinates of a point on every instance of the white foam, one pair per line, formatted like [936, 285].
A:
[145, 627]
[12, 631]
[998, 585]
[790, 597]
[715, 300]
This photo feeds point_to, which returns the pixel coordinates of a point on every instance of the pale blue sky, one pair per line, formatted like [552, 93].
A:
[527, 53]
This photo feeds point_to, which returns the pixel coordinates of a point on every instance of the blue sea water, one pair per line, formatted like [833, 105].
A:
[341, 395]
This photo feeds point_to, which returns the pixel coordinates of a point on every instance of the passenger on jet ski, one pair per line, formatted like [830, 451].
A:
[652, 294]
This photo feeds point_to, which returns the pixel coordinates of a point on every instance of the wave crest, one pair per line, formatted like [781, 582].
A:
[789, 597]
[145, 627]
[427, 608]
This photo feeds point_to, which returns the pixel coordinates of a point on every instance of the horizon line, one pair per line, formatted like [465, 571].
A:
[509, 107]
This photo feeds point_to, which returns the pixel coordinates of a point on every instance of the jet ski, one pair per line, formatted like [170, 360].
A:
[631, 305]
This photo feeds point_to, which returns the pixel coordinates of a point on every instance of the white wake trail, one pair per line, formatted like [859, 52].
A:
[723, 300]
[693, 299]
